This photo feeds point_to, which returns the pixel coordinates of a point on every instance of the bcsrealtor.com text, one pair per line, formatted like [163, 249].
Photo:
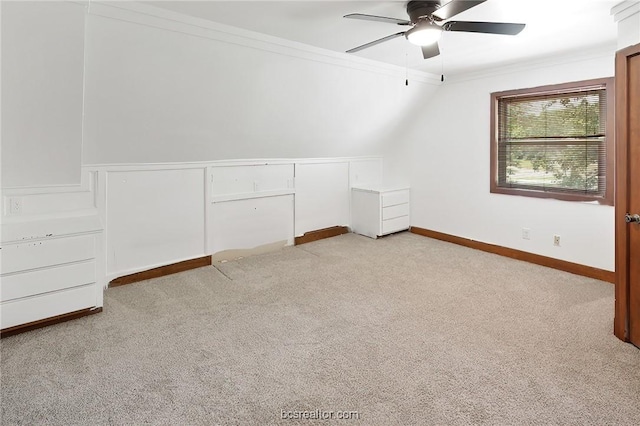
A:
[319, 415]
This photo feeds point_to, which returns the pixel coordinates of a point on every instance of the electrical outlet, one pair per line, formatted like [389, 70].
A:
[15, 205]
[526, 234]
[556, 240]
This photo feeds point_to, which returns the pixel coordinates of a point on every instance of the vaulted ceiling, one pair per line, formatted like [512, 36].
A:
[553, 27]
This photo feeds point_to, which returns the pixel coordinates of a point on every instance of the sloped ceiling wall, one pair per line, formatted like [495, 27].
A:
[157, 91]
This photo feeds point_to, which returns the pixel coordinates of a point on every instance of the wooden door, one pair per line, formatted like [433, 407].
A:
[627, 318]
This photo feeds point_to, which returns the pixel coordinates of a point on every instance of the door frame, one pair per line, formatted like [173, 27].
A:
[622, 282]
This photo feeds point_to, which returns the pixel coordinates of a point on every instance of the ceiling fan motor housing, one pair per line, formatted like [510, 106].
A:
[420, 9]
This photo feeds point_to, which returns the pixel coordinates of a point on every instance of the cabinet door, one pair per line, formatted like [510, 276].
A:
[322, 196]
[365, 213]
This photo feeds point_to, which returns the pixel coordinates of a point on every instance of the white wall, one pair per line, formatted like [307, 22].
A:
[42, 78]
[450, 171]
[162, 91]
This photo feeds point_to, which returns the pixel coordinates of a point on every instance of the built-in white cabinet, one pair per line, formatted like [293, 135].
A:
[49, 268]
[379, 210]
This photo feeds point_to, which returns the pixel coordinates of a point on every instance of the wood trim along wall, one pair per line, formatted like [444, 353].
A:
[162, 271]
[562, 265]
[48, 321]
[321, 234]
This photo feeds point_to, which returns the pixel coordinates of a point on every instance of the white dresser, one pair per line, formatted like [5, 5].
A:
[379, 210]
[49, 271]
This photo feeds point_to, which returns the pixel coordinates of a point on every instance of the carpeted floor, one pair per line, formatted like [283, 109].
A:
[401, 330]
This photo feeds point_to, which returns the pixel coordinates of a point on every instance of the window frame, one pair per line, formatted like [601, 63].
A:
[609, 84]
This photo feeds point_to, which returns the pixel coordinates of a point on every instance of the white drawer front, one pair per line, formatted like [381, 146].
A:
[39, 254]
[47, 280]
[392, 212]
[22, 311]
[394, 225]
[395, 197]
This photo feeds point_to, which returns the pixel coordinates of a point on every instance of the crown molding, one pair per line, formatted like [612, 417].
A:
[625, 9]
[605, 51]
[156, 17]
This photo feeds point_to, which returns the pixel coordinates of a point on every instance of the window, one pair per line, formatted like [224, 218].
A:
[554, 141]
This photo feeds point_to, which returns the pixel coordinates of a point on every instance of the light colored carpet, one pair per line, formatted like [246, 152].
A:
[403, 330]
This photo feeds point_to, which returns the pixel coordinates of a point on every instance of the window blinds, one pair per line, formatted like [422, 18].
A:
[553, 142]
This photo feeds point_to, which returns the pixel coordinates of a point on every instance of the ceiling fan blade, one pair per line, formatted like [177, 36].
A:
[454, 7]
[505, 28]
[430, 51]
[377, 19]
[373, 43]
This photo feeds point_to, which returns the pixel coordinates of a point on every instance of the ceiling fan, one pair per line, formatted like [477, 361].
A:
[427, 21]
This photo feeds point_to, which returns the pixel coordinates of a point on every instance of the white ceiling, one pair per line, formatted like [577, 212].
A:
[553, 27]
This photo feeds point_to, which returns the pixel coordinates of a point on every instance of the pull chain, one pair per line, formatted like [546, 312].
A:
[406, 68]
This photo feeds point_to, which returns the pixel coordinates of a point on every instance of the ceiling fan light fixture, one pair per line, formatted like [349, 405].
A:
[429, 19]
[424, 34]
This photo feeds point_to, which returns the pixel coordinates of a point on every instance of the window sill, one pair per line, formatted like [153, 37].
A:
[562, 196]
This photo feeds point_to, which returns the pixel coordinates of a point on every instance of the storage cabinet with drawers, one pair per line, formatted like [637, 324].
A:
[49, 270]
[377, 210]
